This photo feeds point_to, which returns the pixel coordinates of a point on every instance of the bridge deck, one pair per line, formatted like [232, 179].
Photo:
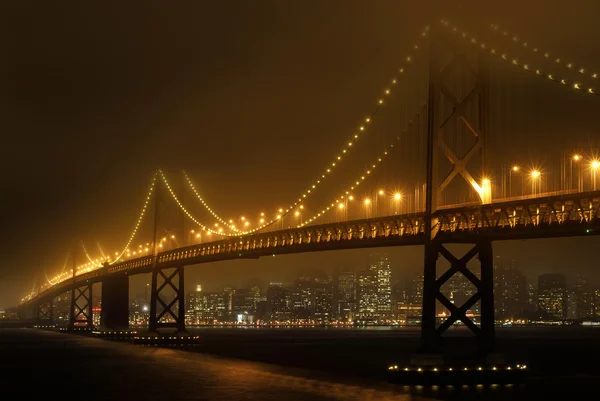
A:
[564, 215]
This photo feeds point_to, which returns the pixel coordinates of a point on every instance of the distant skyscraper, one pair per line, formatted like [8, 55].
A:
[510, 290]
[584, 298]
[302, 297]
[323, 299]
[367, 294]
[242, 302]
[552, 295]
[346, 294]
[277, 308]
[383, 267]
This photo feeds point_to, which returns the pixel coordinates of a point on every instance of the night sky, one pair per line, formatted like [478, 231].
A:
[251, 98]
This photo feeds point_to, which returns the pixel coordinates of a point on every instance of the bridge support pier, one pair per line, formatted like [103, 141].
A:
[44, 313]
[172, 311]
[431, 332]
[115, 302]
[80, 315]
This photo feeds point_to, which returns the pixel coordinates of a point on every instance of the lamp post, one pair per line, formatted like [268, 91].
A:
[595, 167]
[341, 210]
[397, 199]
[535, 179]
[514, 169]
[377, 195]
[575, 160]
[367, 202]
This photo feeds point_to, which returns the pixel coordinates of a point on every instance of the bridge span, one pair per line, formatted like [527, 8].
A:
[562, 215]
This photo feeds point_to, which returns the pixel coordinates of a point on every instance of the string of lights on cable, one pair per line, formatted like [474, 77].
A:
[203, 202]
[330, 167]
[359, 180]
[58, 276]
[515, 61]
[558, 60]
[139, 220]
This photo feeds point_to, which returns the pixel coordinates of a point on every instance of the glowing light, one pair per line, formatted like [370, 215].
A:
[297, 213]
[535, 174]
[381, 192]
[340, 205]
[515, 168]
[595, 164]
[397, 196]
[367, 201]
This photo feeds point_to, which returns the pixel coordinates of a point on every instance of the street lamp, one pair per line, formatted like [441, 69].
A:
[575, 159]
[535, 178]
[367, 202]
[299, 215]
[377, 195]
[397, 199]
[514, 169]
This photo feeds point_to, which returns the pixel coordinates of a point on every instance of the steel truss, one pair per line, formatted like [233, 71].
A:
[44, 311]
[174, 318]
[484, 294]
[81, 307]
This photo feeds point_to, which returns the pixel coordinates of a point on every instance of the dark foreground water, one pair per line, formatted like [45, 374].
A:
[283, 364]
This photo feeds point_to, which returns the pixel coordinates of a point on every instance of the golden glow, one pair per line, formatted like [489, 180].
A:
[198, 235]
[367, 201]
[243, 218]
[297, 213]
[595, 164]
[515, 168]
[340, 205]
[535, 174]
[173, 236]
[486, 181]
[262, 221]
[381, 192]
[246, 224]
[397, 196]
[576, 158]
[351, 197]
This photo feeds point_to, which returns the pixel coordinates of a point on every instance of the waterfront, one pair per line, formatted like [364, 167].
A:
[290, 364]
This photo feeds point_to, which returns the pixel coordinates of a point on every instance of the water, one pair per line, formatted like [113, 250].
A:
[283, 364]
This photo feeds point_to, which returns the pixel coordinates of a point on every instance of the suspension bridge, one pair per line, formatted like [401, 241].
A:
[466, 178]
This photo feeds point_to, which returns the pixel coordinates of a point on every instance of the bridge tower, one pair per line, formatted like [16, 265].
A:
[171, 278]
[456, 107]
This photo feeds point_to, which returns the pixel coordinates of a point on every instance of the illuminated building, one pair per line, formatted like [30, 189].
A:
[510, 290]
[584, 298]
[375, 290]
[277, 303]
[323, 298]
[383, 268]
[195, 313]
[243, 302]
[302, 294]
[552, 296]
[345, 293]
[367, 294]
